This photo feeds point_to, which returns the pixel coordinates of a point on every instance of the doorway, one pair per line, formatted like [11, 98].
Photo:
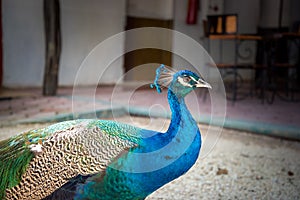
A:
[146, 57]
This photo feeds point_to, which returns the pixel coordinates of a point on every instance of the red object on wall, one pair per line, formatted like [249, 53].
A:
[192, 13]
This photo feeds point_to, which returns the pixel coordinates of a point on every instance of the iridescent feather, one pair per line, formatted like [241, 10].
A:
[164, 77]
[99, 159]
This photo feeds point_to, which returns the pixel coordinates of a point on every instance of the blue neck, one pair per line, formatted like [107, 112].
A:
[170, 154]
[181, 116]
[184, 138]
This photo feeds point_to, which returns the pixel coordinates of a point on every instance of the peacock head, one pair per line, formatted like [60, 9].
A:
[180, 82]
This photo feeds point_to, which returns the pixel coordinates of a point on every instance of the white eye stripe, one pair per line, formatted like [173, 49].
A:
[180, 80]
[193, 79]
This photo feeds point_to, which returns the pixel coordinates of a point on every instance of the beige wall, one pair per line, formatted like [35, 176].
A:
[84, 24]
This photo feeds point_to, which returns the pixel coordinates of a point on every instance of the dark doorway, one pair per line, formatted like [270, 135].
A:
[143, 56]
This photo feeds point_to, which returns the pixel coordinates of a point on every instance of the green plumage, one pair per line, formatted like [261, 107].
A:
[124, 131]
[15, 155]
[84, 159]
[86, 145]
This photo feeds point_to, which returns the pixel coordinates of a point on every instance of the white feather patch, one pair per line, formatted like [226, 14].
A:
[36, 148]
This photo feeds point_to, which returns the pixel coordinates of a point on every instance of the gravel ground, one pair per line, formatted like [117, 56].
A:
[240, 166]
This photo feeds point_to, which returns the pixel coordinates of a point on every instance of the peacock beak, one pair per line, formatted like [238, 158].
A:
[202, 83]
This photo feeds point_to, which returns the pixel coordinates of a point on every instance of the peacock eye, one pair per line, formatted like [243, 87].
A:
[186, 79]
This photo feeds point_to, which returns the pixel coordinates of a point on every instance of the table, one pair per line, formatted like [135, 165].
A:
[232, 86]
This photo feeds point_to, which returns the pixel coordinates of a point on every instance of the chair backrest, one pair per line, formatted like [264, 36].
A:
[221, 24]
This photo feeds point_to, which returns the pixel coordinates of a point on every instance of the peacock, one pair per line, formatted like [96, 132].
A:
[102, 159]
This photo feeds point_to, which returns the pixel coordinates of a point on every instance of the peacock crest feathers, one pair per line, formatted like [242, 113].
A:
[164, 77]
[88, 156]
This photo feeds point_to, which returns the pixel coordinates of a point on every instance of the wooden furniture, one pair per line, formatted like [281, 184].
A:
[225, 27]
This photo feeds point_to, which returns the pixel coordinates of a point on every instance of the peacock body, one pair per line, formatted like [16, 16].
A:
[99, 159]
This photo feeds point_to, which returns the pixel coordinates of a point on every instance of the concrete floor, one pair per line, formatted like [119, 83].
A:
[233, 165]
[28, 105]
[236, 165]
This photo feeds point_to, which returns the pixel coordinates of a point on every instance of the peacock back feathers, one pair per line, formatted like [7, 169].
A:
[15, 155]
[37, 162]
[99, 159]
